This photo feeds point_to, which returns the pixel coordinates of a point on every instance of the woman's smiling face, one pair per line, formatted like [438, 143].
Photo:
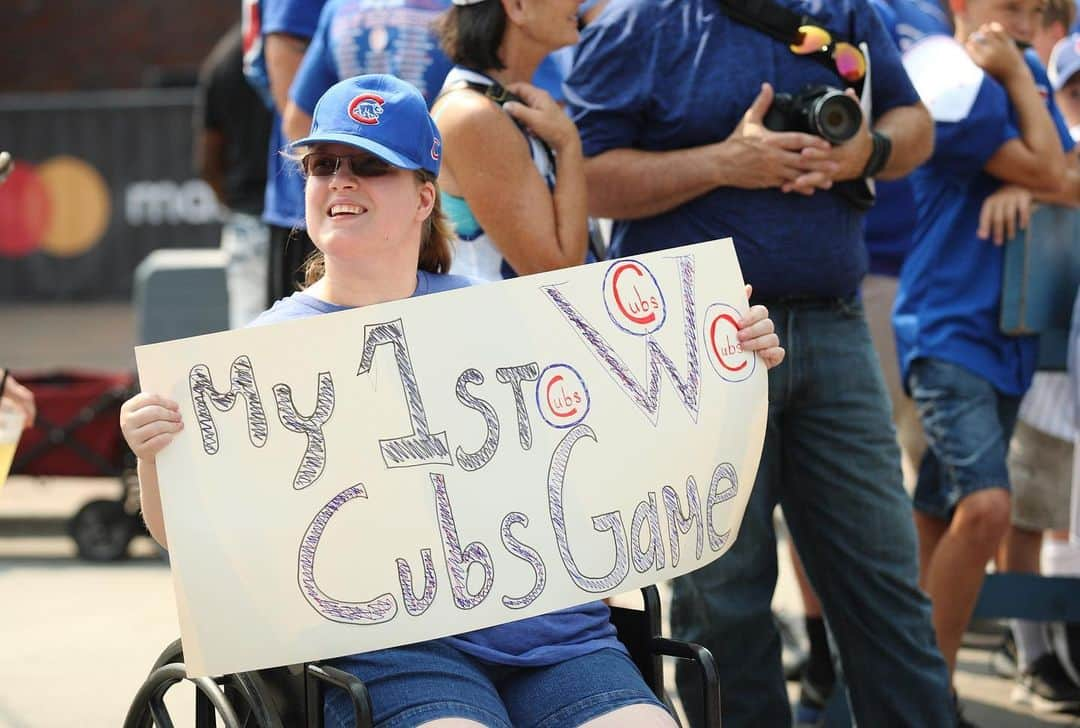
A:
[356, 205]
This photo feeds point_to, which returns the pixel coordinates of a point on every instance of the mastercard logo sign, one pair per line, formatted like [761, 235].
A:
[60, 207]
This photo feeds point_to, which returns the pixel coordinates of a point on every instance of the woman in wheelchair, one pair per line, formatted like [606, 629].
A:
[372, 208]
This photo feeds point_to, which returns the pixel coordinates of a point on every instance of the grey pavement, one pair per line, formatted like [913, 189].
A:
[76, 639]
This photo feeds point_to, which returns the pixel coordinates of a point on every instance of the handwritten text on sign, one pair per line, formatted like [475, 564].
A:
[441, 464]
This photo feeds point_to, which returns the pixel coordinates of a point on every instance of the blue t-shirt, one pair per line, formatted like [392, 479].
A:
[284, 203]
[533, 642]
[659, 75]
[949, 299]
[355, 37]
[890, 223]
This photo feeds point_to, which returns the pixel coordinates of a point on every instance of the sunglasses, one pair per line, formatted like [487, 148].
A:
[321, 164]
[849, 60]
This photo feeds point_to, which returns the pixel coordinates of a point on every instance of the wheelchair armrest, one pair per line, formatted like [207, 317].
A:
[358, 694]
[706, 663]
[151, 698]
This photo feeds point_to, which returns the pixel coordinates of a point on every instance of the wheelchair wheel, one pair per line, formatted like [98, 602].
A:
[102, 530]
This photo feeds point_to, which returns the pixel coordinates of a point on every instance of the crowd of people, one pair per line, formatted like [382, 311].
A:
[868, 209]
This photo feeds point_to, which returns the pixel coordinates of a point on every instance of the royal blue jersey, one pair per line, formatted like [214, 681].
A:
[356, 37]
[949, 300]
[284, 203]
[660, 75]
[890, 223]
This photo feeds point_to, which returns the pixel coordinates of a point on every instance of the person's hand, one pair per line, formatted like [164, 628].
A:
[994, 51]
[149, 422]
[1004, 213]
[542, 116]
[790, 160]
[7, 165]
[851, 156]
[757, 334]
[19, 397]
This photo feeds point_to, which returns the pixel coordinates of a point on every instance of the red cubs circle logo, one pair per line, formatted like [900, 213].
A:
[561, 396]
[722, 343]
[633, 298]
[366, 108]
[435, 146]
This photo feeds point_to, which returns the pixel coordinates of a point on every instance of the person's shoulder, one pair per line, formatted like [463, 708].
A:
[439, 282]
[637, 18]
[465, 106]
[297, 306]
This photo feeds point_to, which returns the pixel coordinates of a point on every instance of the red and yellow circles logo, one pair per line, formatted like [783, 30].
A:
[60, 207]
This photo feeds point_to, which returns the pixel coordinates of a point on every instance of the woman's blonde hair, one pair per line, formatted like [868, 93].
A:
[435, 239]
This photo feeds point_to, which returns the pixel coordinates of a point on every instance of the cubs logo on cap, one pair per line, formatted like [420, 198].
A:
[380, 114]
[366, 108]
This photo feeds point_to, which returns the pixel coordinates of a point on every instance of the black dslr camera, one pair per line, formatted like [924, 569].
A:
[821, 110]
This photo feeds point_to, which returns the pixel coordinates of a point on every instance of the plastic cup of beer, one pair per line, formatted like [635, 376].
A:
[11, 427]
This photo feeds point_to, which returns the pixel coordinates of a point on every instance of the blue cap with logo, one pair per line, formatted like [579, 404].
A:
[380, 114]
[1064, 61]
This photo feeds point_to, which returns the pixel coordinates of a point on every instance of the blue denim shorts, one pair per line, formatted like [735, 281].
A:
[968, 425]
[413, 684]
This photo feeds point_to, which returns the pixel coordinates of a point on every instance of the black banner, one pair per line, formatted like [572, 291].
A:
[101, 180]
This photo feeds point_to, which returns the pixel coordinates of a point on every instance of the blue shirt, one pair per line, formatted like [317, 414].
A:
[949, 299]
[547, 639]
[355, 37]
[284, 203]
[890, 223]
[659, 75]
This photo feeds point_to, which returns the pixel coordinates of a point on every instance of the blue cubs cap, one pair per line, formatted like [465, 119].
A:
[380, 114]
[1064, 61]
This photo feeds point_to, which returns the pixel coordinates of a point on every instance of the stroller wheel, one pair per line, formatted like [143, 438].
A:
[102, 530]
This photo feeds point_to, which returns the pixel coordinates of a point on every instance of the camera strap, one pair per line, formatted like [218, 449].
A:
[768, 17]
[774, 20]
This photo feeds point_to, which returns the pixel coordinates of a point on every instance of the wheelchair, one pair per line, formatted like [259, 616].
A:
[288, 697]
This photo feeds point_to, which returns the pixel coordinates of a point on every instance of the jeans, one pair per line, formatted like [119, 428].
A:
[968, 426]
[246, 240]
[416, 683]
[832, 462]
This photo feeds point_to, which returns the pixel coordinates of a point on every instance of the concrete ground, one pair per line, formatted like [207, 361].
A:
[76, 639]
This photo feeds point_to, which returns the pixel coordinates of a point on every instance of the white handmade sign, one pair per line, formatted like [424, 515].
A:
[427, 467]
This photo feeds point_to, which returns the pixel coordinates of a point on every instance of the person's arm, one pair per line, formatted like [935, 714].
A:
[14, 394]
[627, 183]
[149, 423]
[911, 132]
[488, 160]
[210, 160]
[295, 123]
[317, 72]
[1008, 210]
[283, 53]
[1035, 160]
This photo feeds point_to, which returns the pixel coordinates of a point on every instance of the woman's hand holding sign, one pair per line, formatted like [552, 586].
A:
[757, 333]
[149, 423]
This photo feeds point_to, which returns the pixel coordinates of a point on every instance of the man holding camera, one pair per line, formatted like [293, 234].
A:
[671, 99]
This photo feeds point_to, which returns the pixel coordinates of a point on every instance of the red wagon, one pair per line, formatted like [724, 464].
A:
[77, 434]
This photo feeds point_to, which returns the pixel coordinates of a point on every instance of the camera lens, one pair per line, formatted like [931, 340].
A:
[836, 117]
